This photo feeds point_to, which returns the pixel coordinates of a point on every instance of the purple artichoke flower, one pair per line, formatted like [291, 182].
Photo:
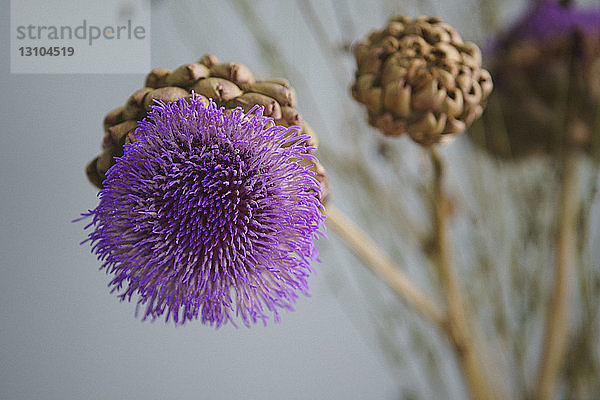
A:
[545, 66]
[549, 19]
[209, 214]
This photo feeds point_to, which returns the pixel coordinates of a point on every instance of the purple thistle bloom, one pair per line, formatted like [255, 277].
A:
[209, 214]
[549, 20]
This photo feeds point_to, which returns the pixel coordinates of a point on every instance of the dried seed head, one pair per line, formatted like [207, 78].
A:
[417, 76]
[229, 85]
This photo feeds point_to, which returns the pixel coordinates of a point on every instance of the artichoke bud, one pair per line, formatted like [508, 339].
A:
[447, 53]
[314, 139]
[113, 117]
[454, 34]
[392, 71]
[373, 99]
[430, 84]
[397, 97]
[473, 114]
[249, 100]
[472, 97]
[471, 55]
[485, 81]
[452, 105]
[280, 81]
[387, 124]
[119, 132]
[187, 74]
[106, 159]
[284, 95]
[389, 45]
[320, 174]
[134, 107]
[362, 85]
[204, 99]
[230, 85]
[166, 94]
[208, 60]
[426, 129]
[403, 19]
[454, 126]
[235, 72]
[435, 34]
[92, 173]
[219, 89]
[157, 78]
[394, 29]
[430, 97]
[464, 78]
[416, 43]
[447, 79]
[370, 63]
[289, 116]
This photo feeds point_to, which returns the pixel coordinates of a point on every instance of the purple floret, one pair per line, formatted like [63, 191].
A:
[209, 215]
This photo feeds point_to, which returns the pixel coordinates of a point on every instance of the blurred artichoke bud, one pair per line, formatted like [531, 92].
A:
[419, 77]
[230, 85]
[547, 73]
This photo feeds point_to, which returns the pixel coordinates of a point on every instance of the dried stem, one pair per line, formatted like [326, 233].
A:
[317, 29]
[566, 257]
[381, 264]
[460, 328]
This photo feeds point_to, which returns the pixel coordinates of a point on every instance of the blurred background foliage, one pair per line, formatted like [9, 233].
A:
[504, 220]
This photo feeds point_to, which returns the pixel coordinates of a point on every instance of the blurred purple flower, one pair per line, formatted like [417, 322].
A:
[549, 19]
[545, 65]
[209, 214]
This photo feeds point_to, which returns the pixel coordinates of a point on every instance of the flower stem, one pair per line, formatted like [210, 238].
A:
[381, 264]
[566, 255]
[460, 329]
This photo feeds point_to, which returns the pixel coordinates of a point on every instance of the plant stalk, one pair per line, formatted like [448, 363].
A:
[556, 340]
[461, 330]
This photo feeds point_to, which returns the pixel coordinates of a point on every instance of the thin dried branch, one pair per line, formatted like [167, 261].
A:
[556, 340]
[381, 264]
[461, 329]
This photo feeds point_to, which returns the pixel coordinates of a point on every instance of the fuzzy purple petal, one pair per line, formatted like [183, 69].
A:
[208, 215]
